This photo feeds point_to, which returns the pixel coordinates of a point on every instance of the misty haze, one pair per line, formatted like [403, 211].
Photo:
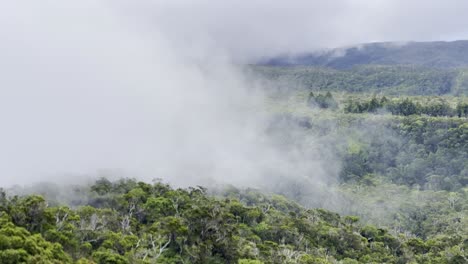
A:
[247, 132]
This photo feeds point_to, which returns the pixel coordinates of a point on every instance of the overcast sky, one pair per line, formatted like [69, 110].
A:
[264, 27]
[145, 85]
[246, 28]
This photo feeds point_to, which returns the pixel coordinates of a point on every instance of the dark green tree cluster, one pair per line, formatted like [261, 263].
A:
[370, 106]
[322, 100]
[405, 107]
[135, 222]
[462, 109]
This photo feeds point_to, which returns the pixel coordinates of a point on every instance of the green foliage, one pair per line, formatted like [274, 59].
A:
[388, 79]
[462, 109]
[402, 160]
[249, 261]
[157, 224]
[175, 226]
[403, 171]
[322, 100]
[17, 245]
[431, 106]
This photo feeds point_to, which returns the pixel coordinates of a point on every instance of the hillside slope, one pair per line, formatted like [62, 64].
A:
[136, 222]
[388, 79]
[438, 54]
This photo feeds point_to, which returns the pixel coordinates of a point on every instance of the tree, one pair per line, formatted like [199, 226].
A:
[17, 245]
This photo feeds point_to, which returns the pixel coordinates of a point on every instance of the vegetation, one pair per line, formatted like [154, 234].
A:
[432, 106]
[396, 189]
[387, 79]
[402, 149]
[135, 222]
[403, 145]
[322, 100]
[438, 54]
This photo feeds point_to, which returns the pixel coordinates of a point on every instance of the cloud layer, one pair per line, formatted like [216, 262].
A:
[262, 28]
[149, 87]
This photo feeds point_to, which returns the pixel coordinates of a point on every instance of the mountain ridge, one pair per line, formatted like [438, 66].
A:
[435, 54]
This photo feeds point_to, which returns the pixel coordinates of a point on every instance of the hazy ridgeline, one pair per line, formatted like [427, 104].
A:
[132, 93]
[118, 95]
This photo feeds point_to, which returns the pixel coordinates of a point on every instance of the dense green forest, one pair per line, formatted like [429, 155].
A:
[127, 221]
[396, 185]
[387, 79]
[402, 142]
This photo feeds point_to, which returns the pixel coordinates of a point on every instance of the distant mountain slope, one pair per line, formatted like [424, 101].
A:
[388, 79]
[428, 54]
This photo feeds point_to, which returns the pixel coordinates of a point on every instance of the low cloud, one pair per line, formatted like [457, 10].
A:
[152, 89]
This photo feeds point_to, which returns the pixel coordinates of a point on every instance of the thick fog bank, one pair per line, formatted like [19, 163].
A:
[92, 89]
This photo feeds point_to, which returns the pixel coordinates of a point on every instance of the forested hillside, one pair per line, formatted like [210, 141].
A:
[234, 132]
[390, 146]
[387, 79]
[135, 222]
[401, 135]
[437, 54]
[401, 193]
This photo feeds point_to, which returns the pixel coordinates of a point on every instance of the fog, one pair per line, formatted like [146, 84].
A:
[94, 90]
[253, 29]
[153, 89]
